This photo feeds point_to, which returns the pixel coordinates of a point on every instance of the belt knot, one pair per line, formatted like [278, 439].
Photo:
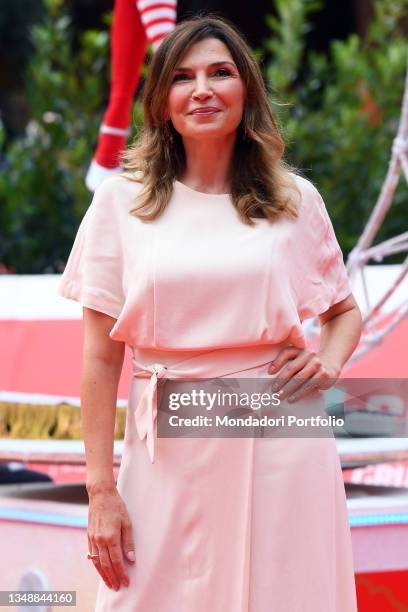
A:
[146, 412]
[159, 369]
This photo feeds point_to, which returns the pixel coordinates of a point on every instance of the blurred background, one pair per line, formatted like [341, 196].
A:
[338, 66]
[335, 74]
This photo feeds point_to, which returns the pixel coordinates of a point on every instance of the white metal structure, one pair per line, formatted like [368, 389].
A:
[378, 321]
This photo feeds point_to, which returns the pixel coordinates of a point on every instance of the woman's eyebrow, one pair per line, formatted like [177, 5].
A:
[210, 65]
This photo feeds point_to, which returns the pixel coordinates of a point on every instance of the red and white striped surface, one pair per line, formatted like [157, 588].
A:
[158, 18]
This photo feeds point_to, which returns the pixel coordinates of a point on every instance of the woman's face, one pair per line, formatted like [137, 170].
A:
[206, 97]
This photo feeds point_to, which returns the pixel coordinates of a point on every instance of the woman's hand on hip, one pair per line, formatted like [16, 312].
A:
[301, 371]
[110, 536]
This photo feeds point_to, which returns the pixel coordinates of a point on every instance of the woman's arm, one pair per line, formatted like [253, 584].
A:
[109, 526]
[340, 332]
[306, 370]
[101, 369]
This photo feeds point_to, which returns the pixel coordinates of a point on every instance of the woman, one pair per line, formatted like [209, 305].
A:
[204, 257]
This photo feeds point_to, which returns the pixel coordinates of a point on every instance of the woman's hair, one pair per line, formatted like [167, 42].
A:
[262, 184]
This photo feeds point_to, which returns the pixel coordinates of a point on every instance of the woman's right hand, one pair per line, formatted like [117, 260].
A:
[110, 536]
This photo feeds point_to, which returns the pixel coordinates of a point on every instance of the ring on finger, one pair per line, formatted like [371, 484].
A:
[92, 556]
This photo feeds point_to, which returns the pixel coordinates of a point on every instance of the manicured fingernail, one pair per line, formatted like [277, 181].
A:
[272, 366]
[131, 555]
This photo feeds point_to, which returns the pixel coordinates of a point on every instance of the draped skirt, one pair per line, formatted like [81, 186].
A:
[229, 524]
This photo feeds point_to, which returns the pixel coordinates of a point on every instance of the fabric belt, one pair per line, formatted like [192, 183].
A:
[209, 364]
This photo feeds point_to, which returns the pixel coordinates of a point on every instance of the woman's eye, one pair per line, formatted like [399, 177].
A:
[224, 71]
[220, 72]
[180, 76]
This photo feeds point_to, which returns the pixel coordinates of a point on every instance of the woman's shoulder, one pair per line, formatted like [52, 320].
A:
[305, 185]
[118, 188]
[115, 196]
[312, 213]
[311, 199]
[120, 180]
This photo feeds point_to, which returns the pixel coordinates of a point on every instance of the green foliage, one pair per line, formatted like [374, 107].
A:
[42, 190]
[339, 113]
[341, 116]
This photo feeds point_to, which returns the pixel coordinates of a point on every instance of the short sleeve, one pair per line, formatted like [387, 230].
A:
[94, 271]
[320, 276]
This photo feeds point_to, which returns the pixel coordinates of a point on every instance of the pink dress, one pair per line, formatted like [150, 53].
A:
[219, 524]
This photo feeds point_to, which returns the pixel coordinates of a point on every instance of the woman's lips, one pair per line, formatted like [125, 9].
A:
[205, 111]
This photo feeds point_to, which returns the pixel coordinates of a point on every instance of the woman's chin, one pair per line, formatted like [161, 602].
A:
[207, 132]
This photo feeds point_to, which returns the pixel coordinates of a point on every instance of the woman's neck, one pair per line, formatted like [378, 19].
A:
[208, 164]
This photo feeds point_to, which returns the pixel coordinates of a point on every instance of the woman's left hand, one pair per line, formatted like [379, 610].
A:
[303, 371]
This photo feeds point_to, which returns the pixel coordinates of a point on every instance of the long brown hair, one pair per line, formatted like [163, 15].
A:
[262, 184]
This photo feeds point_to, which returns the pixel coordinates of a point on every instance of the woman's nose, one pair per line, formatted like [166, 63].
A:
[202, 88]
